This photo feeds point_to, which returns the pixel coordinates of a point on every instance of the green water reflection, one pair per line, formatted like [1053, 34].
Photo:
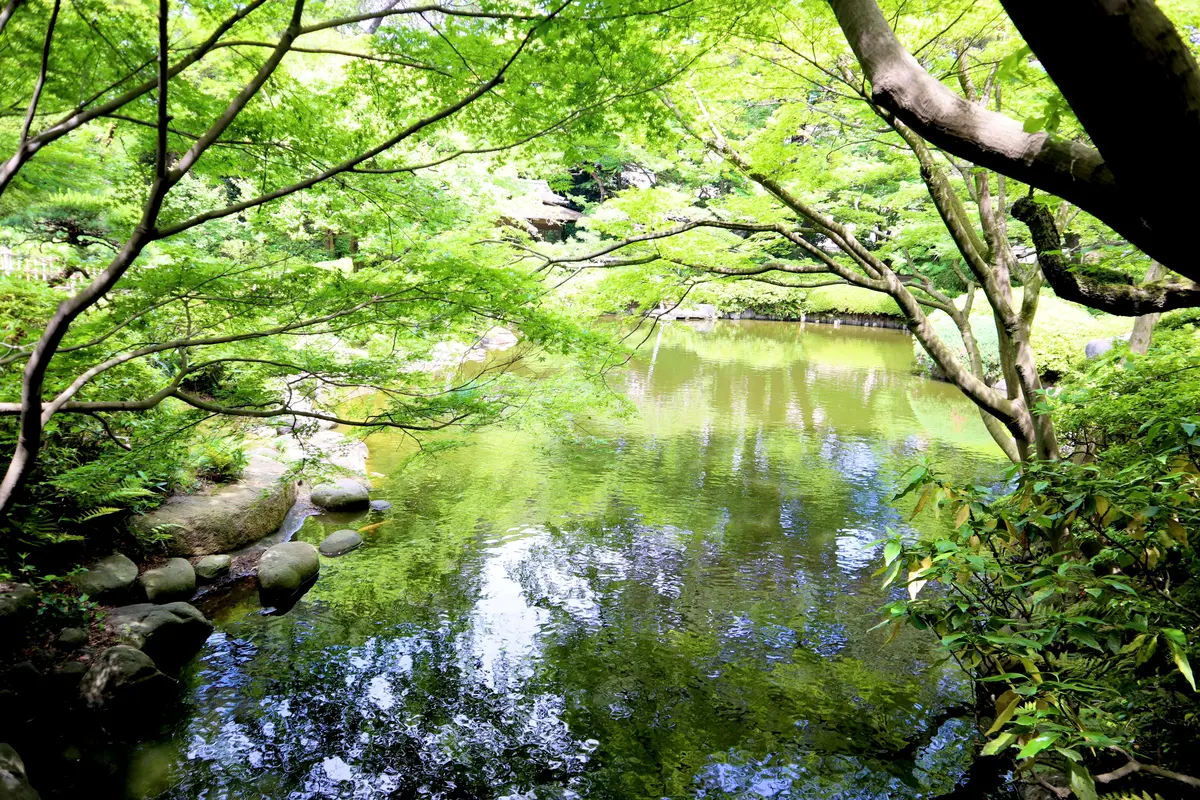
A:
[679, 611]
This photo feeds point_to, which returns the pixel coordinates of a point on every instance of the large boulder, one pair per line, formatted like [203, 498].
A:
[1097, 347]
[341, 495]
[286, 567]
[14, 784]
[170, 634]
[122, 677]
[226, 517]
[71, 639]
[175, 580]
[18, 602]
[108, 577]
[212, 567]
[340, 542]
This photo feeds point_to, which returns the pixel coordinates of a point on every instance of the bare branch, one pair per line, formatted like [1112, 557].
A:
[41, 80]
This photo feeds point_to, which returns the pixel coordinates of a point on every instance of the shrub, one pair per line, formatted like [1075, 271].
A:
[767, 300]
[849, 300]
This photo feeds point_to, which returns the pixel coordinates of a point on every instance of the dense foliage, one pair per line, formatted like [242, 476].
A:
[1071, 593]
[231, 219]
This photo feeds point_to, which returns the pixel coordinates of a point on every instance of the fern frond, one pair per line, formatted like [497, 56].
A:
[99, 511]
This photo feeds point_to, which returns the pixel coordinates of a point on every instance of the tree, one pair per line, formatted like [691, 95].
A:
[1122, 62]
[250, 129]
[774, 162]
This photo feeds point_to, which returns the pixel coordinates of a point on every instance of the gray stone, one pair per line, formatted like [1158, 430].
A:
[1097, 347]
[14, 783]
[341, 495]
[211, 567]
[121, 676]
[170, 634]
[175, 580]
[286, 567]
[107, 577]
[340, 542]
[71, 639]
[380, 505]
[17, 604]
[226, 517]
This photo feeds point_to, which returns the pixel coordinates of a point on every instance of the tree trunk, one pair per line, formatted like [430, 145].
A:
[1143, 326]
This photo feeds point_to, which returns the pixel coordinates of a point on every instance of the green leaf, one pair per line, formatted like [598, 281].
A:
[1007, 706]
[891, 550]
[1081, 781]
[1181, 661]
[999, 744]
[1037, 744]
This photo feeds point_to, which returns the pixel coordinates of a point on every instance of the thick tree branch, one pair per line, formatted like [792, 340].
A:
[7, 12]
[992, 140]
[1121, 62]
[1115, 298]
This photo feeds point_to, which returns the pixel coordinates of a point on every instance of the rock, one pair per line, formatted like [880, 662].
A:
[286, 567]
[71, 639]
[1001, 387]
[17, 604]
[498, 338]
[14, 783]
[1097, 347]
[175, 580]
[380, 505]
[107, 577]
[342, 495]
[227, 517]
[340, 542]
[121, 676]
[169, 634]
[211, 567]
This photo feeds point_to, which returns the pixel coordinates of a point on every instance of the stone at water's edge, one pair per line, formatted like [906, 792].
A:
[14, 784]
[175, 580]
[211, 567]
[341, 495]
[17, 603]
[122, 677]
[170, 634]
[340, 542]
[108, 576]
[287, 566]
[226, 517]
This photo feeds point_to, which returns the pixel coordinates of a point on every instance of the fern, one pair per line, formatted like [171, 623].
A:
[99, 511]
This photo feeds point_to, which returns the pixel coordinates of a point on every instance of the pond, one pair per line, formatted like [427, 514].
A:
[679, 608]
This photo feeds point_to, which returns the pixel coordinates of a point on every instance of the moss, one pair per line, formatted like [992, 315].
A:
[1061, 330]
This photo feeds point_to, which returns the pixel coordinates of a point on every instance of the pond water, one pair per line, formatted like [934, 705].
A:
[681, 609]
